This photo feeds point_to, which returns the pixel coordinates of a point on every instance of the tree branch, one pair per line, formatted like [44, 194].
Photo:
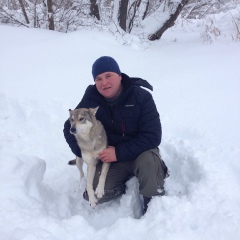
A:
[168, 23]
[12, 18]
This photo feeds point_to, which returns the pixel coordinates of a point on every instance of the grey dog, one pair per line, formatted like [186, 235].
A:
[91, 138]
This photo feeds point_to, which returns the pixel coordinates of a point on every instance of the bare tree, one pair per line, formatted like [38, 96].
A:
[35, 18]
[169, 22]
[24, 11]
[132, 13]
[129, 15]
[146, 10]
[94, 11]
[122, 14]
[48, 5]
[10, 13]
[50, 14]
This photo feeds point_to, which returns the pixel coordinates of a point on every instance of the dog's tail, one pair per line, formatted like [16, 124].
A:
[72, 162]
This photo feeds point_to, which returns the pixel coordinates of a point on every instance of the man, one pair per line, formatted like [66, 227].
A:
[131, 120]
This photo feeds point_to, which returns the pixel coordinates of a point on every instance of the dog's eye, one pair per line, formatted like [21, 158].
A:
[81, 119]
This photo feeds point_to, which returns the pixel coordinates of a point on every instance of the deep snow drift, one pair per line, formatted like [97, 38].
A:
[196, 90]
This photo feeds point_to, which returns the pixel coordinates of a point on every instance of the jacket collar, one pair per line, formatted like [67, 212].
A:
[127, 82]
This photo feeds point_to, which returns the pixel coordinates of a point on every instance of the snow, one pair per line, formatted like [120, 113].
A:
[196, 90]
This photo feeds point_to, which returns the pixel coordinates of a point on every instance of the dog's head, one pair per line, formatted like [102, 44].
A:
[82, 120]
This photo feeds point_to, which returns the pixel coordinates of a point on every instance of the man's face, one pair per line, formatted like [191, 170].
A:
[109, 84]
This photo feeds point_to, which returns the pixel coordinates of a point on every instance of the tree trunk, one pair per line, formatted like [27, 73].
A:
[94, 11]
[50, 14]
[132, 13]
[122, 14]
[146, 10]
[169, 22]
[24, 11]
[35, 14]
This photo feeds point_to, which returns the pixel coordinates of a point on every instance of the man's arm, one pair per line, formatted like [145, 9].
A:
[149, 132]
[71, 140]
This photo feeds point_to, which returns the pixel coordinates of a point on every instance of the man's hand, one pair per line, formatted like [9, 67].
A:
[108, 154]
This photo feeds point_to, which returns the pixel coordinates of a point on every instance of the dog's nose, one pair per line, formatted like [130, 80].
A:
[72, 130]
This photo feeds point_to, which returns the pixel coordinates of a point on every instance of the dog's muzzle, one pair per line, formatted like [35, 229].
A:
[73, 130]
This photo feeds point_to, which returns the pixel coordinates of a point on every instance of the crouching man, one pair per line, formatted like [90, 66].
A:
[132, 123]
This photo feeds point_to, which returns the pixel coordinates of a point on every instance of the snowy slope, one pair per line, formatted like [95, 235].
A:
[196, 90]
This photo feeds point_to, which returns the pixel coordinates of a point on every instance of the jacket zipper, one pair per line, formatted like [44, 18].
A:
[123, 128]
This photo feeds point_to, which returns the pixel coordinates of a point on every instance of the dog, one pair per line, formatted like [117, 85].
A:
[92, 139]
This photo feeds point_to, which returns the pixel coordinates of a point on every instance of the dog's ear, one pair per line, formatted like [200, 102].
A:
[93, 111]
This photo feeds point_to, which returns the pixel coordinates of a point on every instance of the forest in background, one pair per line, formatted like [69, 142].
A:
[147, 19]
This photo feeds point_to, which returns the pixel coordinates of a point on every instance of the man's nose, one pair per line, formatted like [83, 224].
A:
[104, 81]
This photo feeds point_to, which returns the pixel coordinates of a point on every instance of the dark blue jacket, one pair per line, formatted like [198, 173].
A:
[132, 127]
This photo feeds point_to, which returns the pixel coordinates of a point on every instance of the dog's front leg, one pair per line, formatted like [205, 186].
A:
[79, 163]
[101, 183]
[90, 176]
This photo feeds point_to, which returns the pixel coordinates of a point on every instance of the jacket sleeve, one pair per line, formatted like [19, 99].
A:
[71, 140]
[149, 131]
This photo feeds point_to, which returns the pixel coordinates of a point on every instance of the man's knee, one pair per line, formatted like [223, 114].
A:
[147, 160]
[150, 171]
[116, 178]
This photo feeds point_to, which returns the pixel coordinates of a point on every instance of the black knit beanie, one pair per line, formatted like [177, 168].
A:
[104, 64]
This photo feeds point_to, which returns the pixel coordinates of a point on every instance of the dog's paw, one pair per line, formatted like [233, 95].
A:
[99, 192]
[93, 201]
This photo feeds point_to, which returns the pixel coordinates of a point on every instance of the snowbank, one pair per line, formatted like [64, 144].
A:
[196, 90]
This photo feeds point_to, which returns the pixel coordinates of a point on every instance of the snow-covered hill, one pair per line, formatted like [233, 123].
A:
[196, 90]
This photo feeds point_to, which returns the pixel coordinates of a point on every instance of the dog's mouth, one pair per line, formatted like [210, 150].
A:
[73, 130]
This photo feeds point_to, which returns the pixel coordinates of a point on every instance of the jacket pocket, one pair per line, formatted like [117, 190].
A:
[130, 116]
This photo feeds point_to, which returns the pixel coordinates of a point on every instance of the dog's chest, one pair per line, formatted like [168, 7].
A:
[91, 147]
[88, 144]
[90, 157]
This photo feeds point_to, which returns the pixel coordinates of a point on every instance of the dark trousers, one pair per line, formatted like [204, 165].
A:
[148, 167]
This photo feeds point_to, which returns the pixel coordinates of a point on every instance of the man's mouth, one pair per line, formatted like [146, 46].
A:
[106, 88]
